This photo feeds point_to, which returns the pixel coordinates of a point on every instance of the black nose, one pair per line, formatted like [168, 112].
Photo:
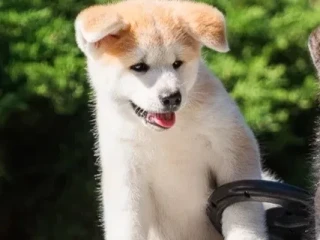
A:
[171, 102]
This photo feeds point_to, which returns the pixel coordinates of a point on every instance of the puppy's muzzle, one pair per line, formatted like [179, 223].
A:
[171, 102]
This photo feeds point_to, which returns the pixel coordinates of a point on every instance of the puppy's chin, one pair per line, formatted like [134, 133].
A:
[154, 127]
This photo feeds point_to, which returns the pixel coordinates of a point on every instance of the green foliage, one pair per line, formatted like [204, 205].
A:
[47, 186]
[39, 56]
[268, 69]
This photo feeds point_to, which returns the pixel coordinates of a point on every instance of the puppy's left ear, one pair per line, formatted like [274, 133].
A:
[205, 23]
[96, 23]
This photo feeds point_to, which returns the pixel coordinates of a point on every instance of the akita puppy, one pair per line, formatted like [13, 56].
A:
[168, 132]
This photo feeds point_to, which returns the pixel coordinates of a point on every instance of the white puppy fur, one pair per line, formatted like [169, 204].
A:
[155, 182]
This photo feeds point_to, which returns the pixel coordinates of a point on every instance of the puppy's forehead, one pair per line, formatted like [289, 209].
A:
[158, 24]
[154, 30]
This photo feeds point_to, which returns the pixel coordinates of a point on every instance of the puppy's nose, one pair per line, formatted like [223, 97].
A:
[171, 102]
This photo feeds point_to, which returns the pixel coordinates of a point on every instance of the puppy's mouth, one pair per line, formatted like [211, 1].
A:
[163, 120]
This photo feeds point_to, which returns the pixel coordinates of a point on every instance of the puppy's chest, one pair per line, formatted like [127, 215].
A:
[180, 176]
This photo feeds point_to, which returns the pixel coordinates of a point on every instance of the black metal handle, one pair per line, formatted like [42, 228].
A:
[288, 221]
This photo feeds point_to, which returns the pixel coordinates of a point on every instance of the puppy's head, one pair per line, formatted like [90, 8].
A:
[144, 54]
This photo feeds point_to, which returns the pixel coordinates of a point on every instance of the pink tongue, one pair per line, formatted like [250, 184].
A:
[165, 120]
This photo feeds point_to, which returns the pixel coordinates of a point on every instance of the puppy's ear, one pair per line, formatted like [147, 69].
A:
[95, 23]
[205, 23]
[314, 47]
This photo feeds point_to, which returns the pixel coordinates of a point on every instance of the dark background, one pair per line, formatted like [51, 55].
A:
[47, 168]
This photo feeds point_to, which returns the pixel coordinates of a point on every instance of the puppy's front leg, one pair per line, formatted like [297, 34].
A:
[125, 200]
[244, 221]
[240, 160]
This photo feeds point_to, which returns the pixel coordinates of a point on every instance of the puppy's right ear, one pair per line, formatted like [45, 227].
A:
[94, 24]
[205, 23]
[314, 47]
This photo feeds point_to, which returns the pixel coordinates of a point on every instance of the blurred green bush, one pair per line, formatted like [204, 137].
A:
[47, 168]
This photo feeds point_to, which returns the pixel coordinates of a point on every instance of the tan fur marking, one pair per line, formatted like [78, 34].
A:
[154, 23]
[148, 26]
[205, 22]
[96, 17]
[120, 46]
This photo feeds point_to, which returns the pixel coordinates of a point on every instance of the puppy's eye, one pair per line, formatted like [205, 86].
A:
[140, 67]
[177, 64]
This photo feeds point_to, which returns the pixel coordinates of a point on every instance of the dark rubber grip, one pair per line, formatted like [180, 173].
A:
[290, 220]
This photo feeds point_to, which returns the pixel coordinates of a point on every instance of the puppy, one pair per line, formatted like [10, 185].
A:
[168, 132]
[314, 49]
